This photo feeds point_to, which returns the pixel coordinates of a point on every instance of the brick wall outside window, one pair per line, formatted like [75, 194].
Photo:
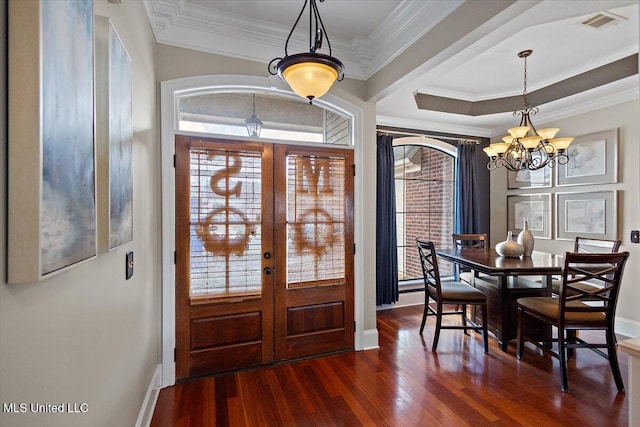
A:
[428, 210]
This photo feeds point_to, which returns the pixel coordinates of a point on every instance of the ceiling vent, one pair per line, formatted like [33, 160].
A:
[602, 20]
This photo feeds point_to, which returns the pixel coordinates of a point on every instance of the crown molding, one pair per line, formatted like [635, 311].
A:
[409, 21]
[190, 25]
[433, 126]
[604, 75]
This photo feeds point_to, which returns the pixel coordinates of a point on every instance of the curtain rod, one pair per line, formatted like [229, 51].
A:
[460, 140]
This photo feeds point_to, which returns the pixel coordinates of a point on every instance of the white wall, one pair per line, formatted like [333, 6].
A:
[625, 117]
[87, 335]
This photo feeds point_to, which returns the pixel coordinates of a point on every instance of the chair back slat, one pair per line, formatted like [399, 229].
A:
[478, 240]
[596, 246]
[601, 269]
[430, 271]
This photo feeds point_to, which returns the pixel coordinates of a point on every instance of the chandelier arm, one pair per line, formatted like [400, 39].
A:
[286, 44]
[326, 36]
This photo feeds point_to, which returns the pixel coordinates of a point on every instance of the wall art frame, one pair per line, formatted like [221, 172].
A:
[589, 214]
[593, 159]
[51, 153]
[114, 136]
[536, 207]
[529, 179]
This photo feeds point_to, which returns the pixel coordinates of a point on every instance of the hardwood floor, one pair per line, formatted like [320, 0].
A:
[404, 384]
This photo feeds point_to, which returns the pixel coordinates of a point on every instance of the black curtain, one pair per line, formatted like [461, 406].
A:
[470, 196]
[386, 239]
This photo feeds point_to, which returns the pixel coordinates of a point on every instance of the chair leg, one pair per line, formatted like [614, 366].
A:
[424, 313]
[485, 341]
[436, 334]
[572, 335]
[613, 359]
[562, 353]
[464, 318]
[520, 343]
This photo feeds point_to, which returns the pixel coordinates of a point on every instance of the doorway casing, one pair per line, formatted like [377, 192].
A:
[170, 90]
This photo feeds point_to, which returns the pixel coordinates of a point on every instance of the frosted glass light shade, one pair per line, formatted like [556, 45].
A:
[548, 133]
[310, 80]
[519, 132]
[500, 147]
[490, 151]
[310, 75]
[508, 139]
[530, 142]
[561, 143]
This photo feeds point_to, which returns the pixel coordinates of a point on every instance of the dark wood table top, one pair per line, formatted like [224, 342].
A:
[489, 262]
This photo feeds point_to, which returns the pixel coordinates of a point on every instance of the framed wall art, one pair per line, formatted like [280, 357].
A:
[536, 207]
[529, 179]
[593, 159]
[592, 214]
[52, 193]
[114, 135]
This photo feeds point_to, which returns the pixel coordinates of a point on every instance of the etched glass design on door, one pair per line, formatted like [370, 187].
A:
[315, 220]
[225, 223]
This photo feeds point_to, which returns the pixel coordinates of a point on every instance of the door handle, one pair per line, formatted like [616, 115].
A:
[268, 270]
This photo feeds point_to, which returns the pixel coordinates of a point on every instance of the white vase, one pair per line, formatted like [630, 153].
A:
[509, 248]
[526, 239]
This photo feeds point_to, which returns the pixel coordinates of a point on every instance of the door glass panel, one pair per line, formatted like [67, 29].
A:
[225, 223]
[315, 220]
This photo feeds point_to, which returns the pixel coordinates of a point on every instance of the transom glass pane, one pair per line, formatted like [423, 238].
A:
[283, 118]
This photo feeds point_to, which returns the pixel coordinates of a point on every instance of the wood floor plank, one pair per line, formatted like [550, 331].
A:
[404, 383]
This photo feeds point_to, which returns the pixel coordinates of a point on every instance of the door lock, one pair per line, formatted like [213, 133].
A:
[268, 270]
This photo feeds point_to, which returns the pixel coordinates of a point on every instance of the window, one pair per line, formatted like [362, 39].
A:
[425, 203]
[284, 118]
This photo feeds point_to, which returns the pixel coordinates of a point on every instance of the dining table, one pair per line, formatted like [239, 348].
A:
[504, 280]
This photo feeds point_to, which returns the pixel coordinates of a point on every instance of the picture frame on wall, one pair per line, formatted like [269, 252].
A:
[51, 161]
[593, 159]
[114, 133]
[588, 214]
[529, 178]
[535, 207]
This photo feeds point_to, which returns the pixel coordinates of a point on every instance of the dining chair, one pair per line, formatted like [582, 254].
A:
[449, 293]
[578, 308]
[468, 240]
[588, 246]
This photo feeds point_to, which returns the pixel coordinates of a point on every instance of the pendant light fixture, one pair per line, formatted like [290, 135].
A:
[253, 123]
[311, 74]
[525, 147]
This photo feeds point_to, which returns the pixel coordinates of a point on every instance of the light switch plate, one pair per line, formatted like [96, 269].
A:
[635, 236]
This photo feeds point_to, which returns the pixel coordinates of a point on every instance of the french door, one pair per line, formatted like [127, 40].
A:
[264, 253]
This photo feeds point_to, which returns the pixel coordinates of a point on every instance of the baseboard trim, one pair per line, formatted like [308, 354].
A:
[627, 327]
[150, 399]
[370, 339]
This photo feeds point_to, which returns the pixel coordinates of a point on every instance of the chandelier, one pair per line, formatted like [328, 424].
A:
[253, 123]
[312, 74]
[525, 147]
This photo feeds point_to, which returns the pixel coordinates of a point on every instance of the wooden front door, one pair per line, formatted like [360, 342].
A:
[264, 254]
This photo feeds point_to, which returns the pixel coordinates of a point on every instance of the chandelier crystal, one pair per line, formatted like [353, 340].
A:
[311, 74]
[525, 147]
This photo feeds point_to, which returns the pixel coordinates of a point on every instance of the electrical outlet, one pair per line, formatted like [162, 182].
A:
[635, 236]
[129, 266]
